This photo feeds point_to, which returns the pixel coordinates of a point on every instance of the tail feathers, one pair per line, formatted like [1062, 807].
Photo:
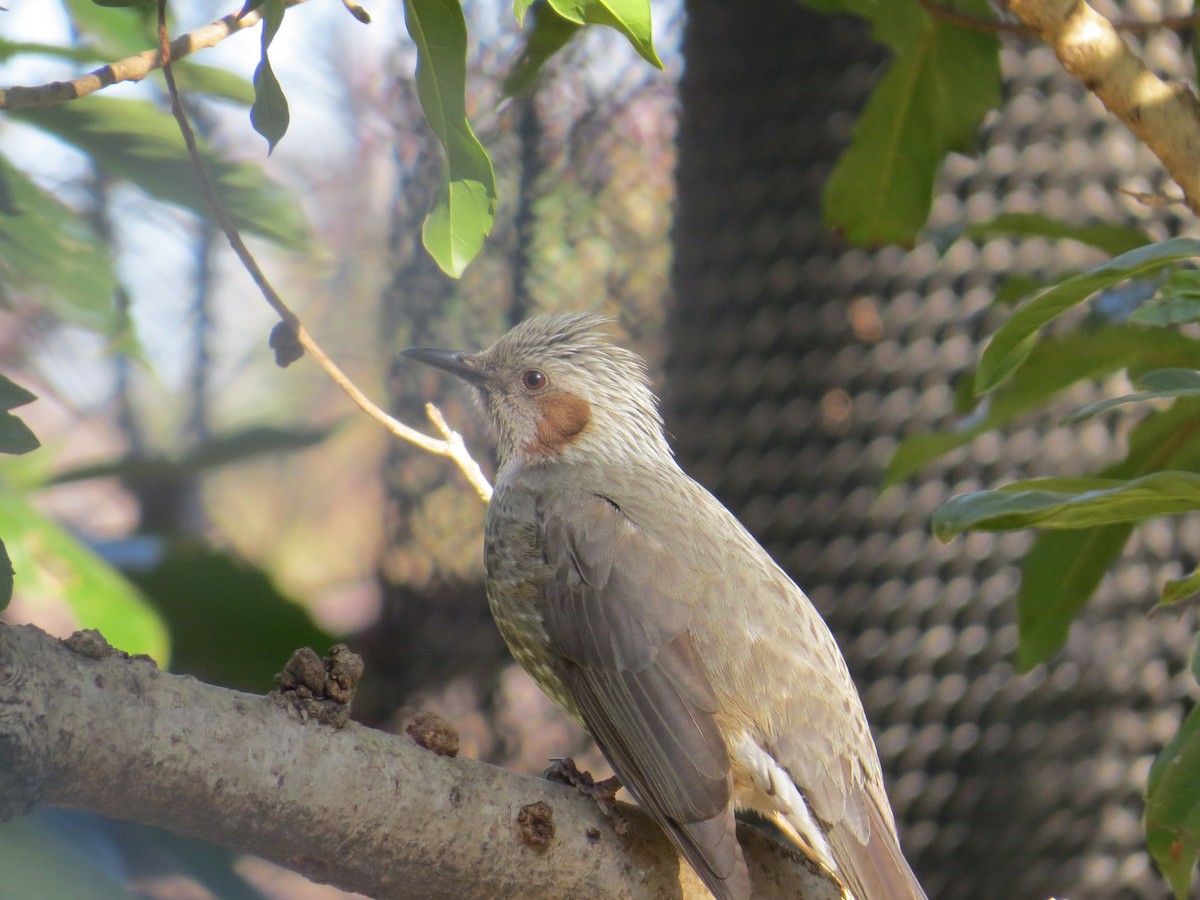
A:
[876, 870]
[711, 848]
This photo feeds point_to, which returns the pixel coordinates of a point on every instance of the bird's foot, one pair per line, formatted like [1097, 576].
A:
[603, 793]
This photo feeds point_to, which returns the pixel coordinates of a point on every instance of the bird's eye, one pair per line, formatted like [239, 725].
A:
[533, 379]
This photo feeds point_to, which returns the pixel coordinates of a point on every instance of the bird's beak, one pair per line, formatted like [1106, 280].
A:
[452, 361]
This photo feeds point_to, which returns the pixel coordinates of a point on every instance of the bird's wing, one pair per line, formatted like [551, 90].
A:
[614, 617]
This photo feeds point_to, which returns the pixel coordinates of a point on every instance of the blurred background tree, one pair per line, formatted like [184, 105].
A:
[176, 457]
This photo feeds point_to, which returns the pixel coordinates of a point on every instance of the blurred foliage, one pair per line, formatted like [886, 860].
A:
[230, 625]
[1140, 298]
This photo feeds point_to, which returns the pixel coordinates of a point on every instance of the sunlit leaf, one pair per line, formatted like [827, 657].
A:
[1011, 344]
[1055, 364]
[1111, 238]
[630, 17]
[1177, 589]
[15, 436]
[1172, 815]
[549, 34]
[1068, 503]
[133, 139]
[1161, 384]
[269, 115]
[49, 252]
[56, 567]
[465, 207]
[941, 82]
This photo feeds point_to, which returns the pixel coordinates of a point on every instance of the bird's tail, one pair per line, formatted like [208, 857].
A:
[876, 870]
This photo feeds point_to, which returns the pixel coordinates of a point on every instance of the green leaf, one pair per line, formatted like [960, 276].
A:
[520, 8]
[269, 115]
[1062, 569]
[230, 624]
[116, 33]
[1159, 384]
[1014, 288]
[55, 567]
[1177, 589]
[941, 82]
[6, 578]
[630, 17]
[132, 139]
[549, 34]
[1010, 346]
[465, 207]
[1054, 364]
[49, 252]
[1059, 573]
[1112, 239]
[1176, 303]
[15, 435]
[1172, 816]
[1068, 503]
[122, 3]
[9, 49]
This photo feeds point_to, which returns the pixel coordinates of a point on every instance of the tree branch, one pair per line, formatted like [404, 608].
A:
[1166, 117]
[133, 68]
[355, 807]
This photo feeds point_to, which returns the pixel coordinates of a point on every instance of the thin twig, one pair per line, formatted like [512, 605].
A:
[1020, 29]
[452, 447]
[133, 68]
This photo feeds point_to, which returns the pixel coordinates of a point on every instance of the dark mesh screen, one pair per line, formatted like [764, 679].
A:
[796, 365]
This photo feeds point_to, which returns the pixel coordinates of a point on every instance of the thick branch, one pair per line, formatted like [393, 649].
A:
[133, 68]
[1166, 117]
[358, 808]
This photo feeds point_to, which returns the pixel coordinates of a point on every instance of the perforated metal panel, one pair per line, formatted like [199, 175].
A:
[796, 364]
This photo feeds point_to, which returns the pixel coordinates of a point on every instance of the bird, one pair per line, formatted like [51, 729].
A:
[648, 612]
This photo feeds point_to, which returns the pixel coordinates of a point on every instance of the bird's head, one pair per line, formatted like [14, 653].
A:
[554, 388]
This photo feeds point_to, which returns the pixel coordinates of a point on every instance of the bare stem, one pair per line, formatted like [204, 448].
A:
[452, 446]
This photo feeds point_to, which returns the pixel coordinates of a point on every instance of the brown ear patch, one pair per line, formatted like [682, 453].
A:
[564, 417]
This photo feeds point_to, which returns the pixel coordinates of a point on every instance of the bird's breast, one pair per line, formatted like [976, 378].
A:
[516, 572]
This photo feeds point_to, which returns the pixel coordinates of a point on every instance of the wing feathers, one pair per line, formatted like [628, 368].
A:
[613, 615]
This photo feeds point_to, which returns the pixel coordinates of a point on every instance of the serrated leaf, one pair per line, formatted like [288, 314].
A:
[1055, 364]
[1176, 303]
[549, 34]
[1172, 815]
[1177, 589]
[1068, 503]
[1062, 569]
[941, 82]
[134, 140]
[1112, 239]
[630, 17]
[269, 115]
[48, 251]
[464, 209]
[1011, 344]
[1160, 384]
[56, 566]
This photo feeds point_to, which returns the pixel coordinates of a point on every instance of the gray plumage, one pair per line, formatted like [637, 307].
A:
[645, 609]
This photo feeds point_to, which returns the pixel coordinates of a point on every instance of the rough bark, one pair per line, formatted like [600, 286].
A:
[358, 808]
